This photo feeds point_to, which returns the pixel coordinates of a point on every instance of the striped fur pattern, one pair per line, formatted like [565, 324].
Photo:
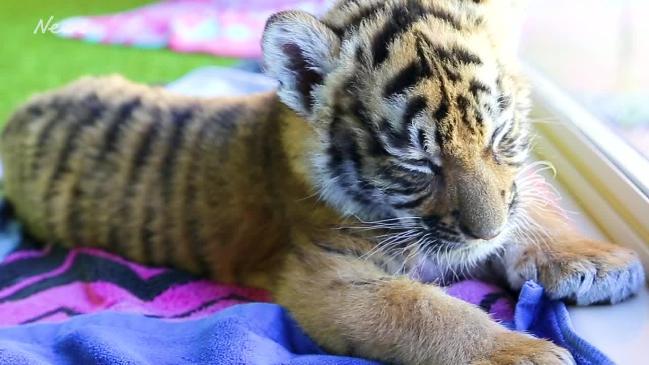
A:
[389, 159]
[420, 115]
[110, 163]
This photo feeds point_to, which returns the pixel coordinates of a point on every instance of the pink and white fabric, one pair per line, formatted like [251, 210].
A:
[230, 28]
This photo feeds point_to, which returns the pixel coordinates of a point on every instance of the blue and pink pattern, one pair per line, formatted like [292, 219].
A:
[221, 27]
[51, 284]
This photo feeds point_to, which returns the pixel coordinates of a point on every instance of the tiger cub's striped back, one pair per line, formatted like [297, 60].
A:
[140, 171]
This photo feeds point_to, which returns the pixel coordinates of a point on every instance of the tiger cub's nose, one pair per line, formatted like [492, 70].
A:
[485, 233]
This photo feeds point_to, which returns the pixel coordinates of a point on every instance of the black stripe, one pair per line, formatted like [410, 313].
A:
[423, 54]
[447, 17]
[422, 162]
[399, 22]
[93, 107]
[452, 75]
[375, 146]
[463, 105]
[505, 102]
[147, 233]
[388, 175]
[225, 124]
[443, 59]
[109, 144]
[396, 138]
[440, 136]
[89, 268]
[70, 312]
[409, 189]
[140, 157]
[404, 79]
[189, 213]
[43, 136]
[415, 106]
[60, 310]
[14, 272]
[403, 17]
[414, 203]
[74, 221]
[462, 102]
[179, 121]
[447, 231]
[114, 129]
[18, 121]
[355, 20]
[442, 111]
[476, 87]
[431, 220]
[421, 139]
[143, 152]
[373, 143]
[490, 299]
[206, 305]
[344, 148]
[456, 56]
[437, 170]
[497, 132]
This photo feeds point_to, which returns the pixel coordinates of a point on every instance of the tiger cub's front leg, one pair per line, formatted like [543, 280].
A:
[571, 266]
[350, 305]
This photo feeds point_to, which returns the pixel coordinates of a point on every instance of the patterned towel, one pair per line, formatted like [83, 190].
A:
[221, 27]
[51, 284]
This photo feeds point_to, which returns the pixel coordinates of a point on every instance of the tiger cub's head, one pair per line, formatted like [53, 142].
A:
[420, 118]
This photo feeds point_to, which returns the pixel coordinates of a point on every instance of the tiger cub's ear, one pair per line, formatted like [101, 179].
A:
[299, 51]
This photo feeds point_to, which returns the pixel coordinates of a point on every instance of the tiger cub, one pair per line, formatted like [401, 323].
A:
[391, 159]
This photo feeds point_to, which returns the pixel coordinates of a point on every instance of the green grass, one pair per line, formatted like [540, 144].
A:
[34, 62]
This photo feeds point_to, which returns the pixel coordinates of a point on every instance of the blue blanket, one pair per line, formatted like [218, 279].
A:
[245, 334]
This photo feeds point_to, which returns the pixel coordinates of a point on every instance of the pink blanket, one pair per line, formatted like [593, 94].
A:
[220, 27]
[52, 284]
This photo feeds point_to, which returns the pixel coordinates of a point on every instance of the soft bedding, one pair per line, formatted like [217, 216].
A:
[87, 306]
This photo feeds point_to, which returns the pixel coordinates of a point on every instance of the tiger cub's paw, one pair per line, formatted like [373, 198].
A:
[583, 272]
[517, 349]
